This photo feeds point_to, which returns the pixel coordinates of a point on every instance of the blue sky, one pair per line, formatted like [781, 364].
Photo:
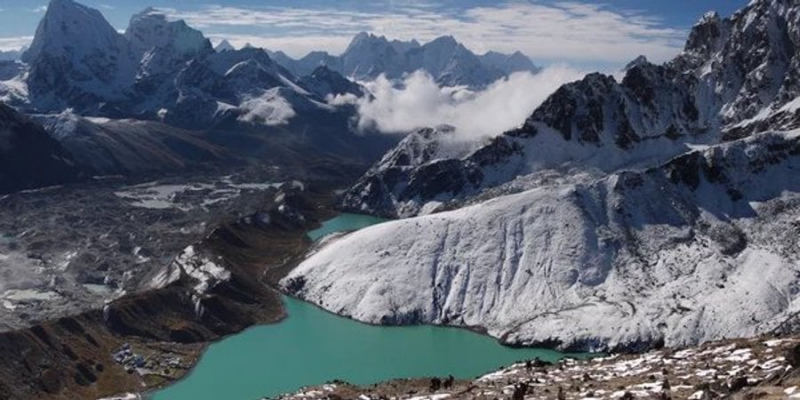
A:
[586, 33]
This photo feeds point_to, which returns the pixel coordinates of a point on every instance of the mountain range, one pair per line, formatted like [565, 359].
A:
[658, 209]
[160, 97]
[449, 62]
[661, 209]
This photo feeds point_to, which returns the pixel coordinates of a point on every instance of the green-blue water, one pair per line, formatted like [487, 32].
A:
[344, 222]
[312, 347]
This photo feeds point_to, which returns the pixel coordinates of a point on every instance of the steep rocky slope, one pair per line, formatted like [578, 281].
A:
[201, 271]
[29, 157]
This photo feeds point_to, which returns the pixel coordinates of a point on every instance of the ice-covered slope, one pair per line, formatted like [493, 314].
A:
[736, 76]
[702, 247]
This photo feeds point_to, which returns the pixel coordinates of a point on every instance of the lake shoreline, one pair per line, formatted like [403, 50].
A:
[327, 315]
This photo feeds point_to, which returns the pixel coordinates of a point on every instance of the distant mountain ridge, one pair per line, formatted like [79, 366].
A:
[160, 98]
[158, 69]
[449, 62]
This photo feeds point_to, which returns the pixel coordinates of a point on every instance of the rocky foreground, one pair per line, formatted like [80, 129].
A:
[762, 368]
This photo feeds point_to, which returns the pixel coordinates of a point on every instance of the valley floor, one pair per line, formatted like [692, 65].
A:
[763, 368]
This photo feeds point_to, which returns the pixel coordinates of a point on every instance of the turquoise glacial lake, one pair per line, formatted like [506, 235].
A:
[312, 347]
[344, 223]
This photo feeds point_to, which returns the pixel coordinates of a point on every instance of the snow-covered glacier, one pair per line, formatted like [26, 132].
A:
[701, 247]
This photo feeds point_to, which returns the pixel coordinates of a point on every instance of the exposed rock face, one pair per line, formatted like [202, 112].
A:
[325, 82]
[29, 157]
[736, 76]
[418, 169]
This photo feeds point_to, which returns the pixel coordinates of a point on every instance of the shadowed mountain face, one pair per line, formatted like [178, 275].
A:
[29, 157]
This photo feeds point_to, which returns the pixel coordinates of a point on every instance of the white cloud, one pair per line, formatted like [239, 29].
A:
[14, 43]
[40, 9]
[268, 109]
[420, 102]
[568, 31]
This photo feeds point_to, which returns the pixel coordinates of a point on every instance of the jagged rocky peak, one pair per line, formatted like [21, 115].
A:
[369, 55]
[325, 82]
[77, 59]
[151, 29]
[72, 30]
[419, 147]
[403, 46]
[636, 62]
[509, 63]
[704, 38]
[732, 71]
[365, 38]
[224, 45]
[161, 45]
[446, 41]
[750, 60]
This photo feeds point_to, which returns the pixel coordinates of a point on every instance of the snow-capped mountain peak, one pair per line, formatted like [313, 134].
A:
[67, 23]
[151, 29]
[162, 45]
[449, 62]
[76, 53]
[641, 60]
[224, 45]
